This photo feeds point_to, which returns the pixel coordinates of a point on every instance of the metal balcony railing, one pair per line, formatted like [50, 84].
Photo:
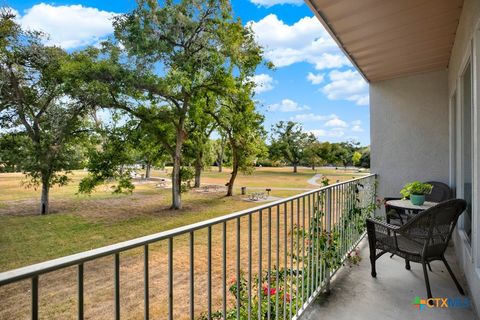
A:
[278, 256]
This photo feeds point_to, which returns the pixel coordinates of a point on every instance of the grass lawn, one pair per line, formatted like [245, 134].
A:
[80, 222]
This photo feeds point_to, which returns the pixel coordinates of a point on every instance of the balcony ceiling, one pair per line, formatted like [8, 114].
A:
[387, 39]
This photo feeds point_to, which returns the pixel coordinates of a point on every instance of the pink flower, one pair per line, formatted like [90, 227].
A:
[272, 290]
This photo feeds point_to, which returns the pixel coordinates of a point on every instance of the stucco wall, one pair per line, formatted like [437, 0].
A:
[409, 130]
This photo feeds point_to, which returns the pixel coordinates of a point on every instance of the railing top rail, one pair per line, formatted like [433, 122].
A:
[78, 258]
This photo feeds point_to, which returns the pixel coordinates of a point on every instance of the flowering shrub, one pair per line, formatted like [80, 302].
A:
[354, 258]
[268, 296]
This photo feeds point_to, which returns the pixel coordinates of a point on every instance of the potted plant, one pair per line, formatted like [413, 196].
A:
[416, 191]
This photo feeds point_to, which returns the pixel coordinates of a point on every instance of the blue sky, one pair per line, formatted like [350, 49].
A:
[313, 82]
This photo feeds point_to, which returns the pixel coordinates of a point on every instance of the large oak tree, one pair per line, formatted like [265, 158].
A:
[37, 109]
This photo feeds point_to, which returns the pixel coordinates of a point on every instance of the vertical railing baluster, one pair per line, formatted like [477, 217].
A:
[249, 266]
[291, 260]
[224, 270]
[35, 298]
[170, 278]
[80, 291]
[304, 265]
[328, 214]
[312, 246]
[285, 265]
[192, 276]
[298, 293]
[346, 212]
[277, 280]
[146, 282]
[310, 251]
[238, 268]
[260, 275]
[317, 238]
[269, 255]
[321, 207]
[117, 286]
[314, 249]
[341, 218]
[209, 273]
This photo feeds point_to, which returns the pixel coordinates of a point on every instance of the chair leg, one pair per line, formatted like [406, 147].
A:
[429, 267]
[459, 287]
[407, 264]
[373, 259]
[372, 262]
[427, 282]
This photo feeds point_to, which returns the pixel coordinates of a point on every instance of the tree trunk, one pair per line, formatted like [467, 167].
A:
[232, 180]
[176, 181]
[198, 169]
[294, 167]
[148, 170]
[234, 171]
[44, 202]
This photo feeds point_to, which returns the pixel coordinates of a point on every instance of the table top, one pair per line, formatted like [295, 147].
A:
[407, 204]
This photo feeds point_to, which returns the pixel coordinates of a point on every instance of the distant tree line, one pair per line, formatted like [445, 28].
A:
[172, 87]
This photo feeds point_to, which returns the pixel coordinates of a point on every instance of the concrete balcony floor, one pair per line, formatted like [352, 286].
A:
[356, 295]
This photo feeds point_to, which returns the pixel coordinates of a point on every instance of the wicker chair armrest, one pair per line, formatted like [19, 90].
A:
[382, 224]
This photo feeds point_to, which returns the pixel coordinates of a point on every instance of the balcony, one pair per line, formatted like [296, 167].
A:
[302, 247]
[391, 294]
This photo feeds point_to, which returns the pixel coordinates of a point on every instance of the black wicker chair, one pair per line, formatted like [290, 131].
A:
[422, 239]
[440, 192]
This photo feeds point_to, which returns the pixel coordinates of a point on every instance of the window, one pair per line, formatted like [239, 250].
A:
[467, 172]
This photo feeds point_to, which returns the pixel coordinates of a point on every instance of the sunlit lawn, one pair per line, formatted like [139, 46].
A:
[80, 222]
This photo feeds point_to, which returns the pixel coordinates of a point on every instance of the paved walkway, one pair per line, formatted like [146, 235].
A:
[313, 180]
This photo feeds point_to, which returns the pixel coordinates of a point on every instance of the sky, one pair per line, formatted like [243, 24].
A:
[313, 83]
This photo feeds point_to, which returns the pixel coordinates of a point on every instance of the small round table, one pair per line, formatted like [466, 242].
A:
[409, 206]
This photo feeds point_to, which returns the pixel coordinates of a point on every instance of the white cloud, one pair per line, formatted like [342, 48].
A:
[315, 78]
[356, 126]
[287, 105]
[306, 117]
[357, 129]
[336, 122]
[332, 133]
[347, 85]
[304, 41]
[263, 82]
[68, 26]
[269, 3]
